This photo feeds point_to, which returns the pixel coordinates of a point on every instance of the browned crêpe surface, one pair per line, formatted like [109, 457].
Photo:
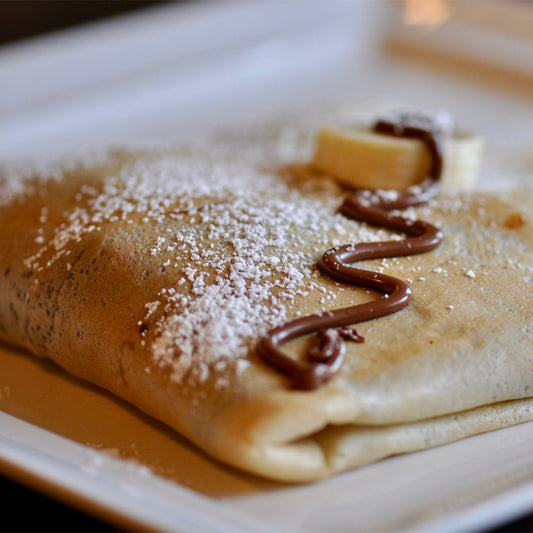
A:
[153, 276]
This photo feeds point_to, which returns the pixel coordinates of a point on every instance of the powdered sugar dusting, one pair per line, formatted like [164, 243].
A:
[246, 247]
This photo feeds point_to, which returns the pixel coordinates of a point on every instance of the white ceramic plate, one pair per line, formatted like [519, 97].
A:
[100, 454]
[177, 71]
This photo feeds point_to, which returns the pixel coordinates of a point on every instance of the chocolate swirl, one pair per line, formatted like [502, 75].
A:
[326, 352]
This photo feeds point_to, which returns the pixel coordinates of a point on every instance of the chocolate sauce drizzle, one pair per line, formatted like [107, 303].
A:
[326, 351]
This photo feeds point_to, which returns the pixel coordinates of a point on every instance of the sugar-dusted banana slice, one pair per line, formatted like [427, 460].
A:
[361, 158]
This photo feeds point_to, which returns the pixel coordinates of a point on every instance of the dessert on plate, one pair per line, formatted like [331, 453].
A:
[274, 298]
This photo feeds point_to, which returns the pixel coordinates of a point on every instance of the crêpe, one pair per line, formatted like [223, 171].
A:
[154, 273]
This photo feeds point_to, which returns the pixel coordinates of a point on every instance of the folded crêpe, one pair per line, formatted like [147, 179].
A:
[153, 274]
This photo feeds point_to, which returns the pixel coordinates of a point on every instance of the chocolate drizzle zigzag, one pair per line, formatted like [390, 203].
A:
[325, 356]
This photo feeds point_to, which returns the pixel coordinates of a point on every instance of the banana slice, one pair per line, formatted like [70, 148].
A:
[361, 158]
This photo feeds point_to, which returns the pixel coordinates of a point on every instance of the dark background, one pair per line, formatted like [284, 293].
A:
[20, 19]
[22, 509]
